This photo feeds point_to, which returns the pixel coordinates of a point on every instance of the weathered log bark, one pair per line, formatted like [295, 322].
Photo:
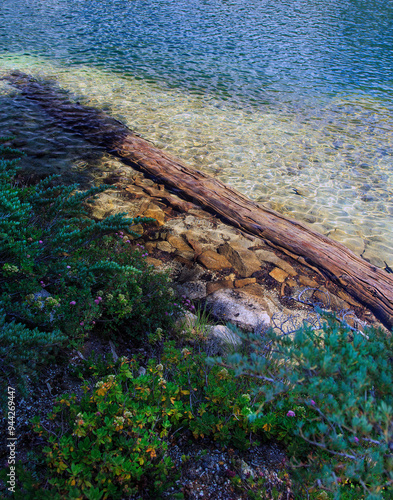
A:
[370, 285]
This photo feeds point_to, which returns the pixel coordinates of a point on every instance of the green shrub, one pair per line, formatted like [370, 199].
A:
[335, 385]
[61, 269]
[24, 350]
[113, 442]
[63, 274]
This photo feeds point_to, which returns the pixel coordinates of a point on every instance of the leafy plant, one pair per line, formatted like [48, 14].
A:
[48, 241]
[334, 384]
[113, 442]
[63, 274]
[24, 350]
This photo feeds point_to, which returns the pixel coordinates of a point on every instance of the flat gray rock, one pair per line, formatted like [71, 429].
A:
[194, 290]
[237, 307]
[222, 340]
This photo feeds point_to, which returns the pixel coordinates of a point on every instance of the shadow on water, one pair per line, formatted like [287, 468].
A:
[49, 147]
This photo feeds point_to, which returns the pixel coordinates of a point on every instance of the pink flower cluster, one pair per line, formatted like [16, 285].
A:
[187, 303]
[141, 247]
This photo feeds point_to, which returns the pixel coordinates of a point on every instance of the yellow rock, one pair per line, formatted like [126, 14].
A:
[155, 212]
[214, 261]
[278, 274]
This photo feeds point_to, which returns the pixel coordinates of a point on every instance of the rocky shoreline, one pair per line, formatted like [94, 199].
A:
[241, 278]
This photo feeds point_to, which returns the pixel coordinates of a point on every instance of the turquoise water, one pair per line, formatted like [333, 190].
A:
[291, 102]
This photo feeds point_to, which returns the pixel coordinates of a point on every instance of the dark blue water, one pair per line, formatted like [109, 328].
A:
[248, 51]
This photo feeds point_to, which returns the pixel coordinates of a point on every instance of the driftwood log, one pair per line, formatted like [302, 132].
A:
[368, 284]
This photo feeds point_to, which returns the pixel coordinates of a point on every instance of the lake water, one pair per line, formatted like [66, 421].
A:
[290, 102]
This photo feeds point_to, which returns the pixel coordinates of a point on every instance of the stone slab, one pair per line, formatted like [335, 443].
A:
[244, 261]
[213, 260]
[279, 275]
[239, 308]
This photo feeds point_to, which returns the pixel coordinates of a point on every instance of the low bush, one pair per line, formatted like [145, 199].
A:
[114, 441]
[335, 384]
[63, 274]
[22, 351]
[326, 394]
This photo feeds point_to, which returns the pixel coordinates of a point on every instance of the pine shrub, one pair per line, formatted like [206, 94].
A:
[23, 350]
[63, 273]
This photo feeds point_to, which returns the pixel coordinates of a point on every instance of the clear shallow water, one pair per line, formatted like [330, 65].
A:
[289, 102]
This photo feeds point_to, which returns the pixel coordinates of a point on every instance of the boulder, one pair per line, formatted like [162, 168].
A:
[151, 261]
[244, 261]
[155, 211]
[239, 308]
[186, 321]
[164, 246]
[213, 286]
[178, 243]
[194, 290]
[278, 274]
[244, 282]
[266, 301]
[222, 340]
[213, 260]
